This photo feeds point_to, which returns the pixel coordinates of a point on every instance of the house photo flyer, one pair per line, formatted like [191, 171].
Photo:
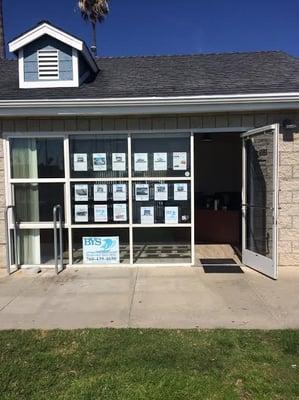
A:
[160, 161]
[81, 193]
[141, 162]
[80, 162]
[171, 215]
[81, 212]
[142, 192]
[161, 192]
[180, 191]
[179, 161]
[100, 213]
[99, 161]
[100, 192]
[118, 161]
[119, 192]
[120, 212]
[147, 215]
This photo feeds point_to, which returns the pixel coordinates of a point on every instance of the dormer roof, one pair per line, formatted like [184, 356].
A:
[46, 28]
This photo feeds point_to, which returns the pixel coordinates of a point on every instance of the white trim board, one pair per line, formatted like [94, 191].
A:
[41, 30]
[149, 105]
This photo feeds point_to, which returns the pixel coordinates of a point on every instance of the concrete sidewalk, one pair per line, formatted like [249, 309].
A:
[149, 298]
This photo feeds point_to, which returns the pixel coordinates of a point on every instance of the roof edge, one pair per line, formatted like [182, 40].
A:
[149, 105]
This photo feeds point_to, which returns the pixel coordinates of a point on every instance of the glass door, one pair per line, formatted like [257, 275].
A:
[37, 183]
[260, 198]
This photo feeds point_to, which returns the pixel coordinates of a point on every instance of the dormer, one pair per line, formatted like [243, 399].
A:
[50, 58]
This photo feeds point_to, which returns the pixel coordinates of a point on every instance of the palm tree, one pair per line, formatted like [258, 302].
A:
[2, 42]
[94, 11]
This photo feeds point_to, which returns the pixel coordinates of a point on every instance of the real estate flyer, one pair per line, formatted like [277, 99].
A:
[171, 215]
[180, 161]
[100, 192]
[119, 192]
[140, 161]
[142, 192]
[118, 161]
[120, 212]
[80, 162]
[100, 213]
[81, 193]
[147, 215]
[100, 250]
[81, 212]
[160, 161]
[99, 161]
[161, 192]
[180, 191]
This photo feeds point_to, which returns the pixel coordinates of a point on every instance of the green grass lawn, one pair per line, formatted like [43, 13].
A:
[149, 364]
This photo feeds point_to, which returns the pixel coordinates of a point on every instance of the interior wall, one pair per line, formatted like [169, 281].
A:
[218, 164]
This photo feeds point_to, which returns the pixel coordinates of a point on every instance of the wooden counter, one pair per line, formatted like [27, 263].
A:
[217, 226]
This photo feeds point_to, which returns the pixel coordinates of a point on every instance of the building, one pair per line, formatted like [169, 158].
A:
[147, 158]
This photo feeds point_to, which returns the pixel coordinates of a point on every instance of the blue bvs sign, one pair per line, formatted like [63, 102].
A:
[100, 250]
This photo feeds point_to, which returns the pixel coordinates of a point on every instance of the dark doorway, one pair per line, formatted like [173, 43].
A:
[218, 194]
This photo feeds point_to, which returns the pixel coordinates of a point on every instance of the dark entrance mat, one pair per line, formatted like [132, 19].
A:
[220, 266]
[222, 269]
[218, 261]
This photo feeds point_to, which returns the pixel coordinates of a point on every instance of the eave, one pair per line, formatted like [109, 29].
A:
[148, 105]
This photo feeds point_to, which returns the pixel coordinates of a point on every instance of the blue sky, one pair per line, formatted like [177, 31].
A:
[144, 27]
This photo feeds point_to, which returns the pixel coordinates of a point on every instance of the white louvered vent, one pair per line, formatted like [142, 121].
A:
[48, 64]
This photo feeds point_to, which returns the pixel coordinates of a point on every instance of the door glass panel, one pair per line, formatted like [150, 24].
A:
[36, 246]
[121, 234]
[99, 156]
[259, 217]
[162, 245]
[37, 158]
[35, 202]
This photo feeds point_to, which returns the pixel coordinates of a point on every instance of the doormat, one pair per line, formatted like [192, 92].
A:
[220, 266]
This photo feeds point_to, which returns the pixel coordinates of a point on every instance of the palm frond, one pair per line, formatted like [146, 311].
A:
[94, 10]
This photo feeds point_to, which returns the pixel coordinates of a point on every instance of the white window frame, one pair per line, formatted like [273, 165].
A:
[68, 181]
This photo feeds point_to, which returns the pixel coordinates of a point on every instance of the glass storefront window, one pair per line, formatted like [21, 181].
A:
[35, 202]
[99, 156]
[162, 246]
[100, 202]
[157, 155]
[94, 194]
[36, 158]
[162, 202]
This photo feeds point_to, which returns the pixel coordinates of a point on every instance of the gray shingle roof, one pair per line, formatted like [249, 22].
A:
[202, 74]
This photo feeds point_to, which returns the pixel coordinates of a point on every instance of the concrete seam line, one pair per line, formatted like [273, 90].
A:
[132, 298]
[262, 299]
[18, 295]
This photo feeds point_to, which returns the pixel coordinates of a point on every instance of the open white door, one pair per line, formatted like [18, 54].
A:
[260, 199]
